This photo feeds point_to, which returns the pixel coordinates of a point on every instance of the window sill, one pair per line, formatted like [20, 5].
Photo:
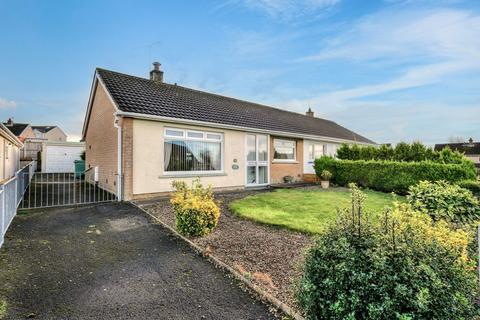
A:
[285, 161]
[191, 175]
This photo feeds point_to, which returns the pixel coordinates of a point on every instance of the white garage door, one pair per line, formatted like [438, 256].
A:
[61, 158]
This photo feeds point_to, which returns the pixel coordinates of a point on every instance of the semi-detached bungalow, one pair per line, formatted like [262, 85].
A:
[142, 134]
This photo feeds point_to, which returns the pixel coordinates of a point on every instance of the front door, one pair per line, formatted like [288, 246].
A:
[312, 151]
[257, 160]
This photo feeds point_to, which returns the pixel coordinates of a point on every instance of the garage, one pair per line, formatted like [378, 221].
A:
[60, 156]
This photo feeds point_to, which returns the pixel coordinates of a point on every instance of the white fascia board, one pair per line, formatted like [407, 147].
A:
[233, 127]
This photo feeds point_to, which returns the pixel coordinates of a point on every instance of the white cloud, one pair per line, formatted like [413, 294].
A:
[409, 35]
[4, 103]
[419, 48]
[429, 47]
[291, 9]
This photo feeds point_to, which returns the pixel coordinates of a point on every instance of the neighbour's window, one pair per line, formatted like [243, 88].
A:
[192, 151]
[284, 149]
[315, 151]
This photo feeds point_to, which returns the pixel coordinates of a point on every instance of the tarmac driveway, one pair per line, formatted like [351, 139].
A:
[110, 261]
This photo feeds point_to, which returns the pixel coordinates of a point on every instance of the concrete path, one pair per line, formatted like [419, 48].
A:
[111, 262]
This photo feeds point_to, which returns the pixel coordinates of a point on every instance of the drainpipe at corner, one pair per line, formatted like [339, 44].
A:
[118, 124]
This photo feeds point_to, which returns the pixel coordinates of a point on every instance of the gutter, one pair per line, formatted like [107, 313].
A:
[239, 128]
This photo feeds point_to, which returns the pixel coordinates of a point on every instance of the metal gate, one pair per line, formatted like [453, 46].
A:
[64, 189]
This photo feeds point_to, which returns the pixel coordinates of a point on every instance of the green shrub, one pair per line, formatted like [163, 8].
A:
[472, 185]
[399, 267]
[196, 212]
[391, 176]
[402, 152]
[442, 200]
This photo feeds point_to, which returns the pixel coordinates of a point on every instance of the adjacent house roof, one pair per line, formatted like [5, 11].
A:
[9, 135]
[16, 128]
[43, 129]
[466, 147]
[146, 97]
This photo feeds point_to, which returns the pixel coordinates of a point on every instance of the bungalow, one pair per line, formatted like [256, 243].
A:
[142, 134]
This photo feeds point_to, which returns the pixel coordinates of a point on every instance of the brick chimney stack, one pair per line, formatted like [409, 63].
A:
[310, 113]
[156, 74]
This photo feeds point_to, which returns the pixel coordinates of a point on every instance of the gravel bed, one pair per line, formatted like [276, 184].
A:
[270, 256]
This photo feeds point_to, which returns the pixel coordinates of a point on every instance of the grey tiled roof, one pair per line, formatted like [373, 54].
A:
[143, 96]
[16, 128]
[43, 129]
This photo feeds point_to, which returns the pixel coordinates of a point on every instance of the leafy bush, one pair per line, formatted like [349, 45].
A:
[442, 200]
[196, 212]
[472, 185]
[326, 175]
[402, 152]
[399, 267]
[391, 176]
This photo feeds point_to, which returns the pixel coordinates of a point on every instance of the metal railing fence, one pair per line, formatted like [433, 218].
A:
[64, 189]
[11, 194]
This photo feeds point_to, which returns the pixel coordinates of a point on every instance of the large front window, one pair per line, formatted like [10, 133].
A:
[284, 149]
[192, 151]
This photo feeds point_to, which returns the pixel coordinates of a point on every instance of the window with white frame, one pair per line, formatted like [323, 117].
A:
[316, 150]
[192, 151]
[284, 149]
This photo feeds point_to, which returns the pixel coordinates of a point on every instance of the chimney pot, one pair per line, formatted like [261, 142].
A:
[156, 74]
[9, 122]
[310, 113]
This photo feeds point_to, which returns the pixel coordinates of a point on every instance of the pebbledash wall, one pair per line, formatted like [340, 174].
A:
[148, 159]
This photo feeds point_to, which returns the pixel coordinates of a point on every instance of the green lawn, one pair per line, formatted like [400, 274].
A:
[304, 210]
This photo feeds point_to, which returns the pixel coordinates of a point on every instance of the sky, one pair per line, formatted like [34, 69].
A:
[389, 70]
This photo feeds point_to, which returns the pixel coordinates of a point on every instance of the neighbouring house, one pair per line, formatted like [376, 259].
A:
[49, 133]
[21, 130]
[142, 134]
[10, 147]
[470, 148]
[34, 139]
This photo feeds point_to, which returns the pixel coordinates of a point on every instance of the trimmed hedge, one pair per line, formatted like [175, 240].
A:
[391, 176]
[401, 152]
[472, 185]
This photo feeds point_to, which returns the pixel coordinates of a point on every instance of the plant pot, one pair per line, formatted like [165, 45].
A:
[325, 184]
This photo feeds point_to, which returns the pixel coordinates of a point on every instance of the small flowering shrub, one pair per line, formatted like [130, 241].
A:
[442, 200]
[196, 212]
[326, 175]
[399, 266]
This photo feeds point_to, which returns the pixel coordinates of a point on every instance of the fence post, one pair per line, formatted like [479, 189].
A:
[16, 190]
[2, 226]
